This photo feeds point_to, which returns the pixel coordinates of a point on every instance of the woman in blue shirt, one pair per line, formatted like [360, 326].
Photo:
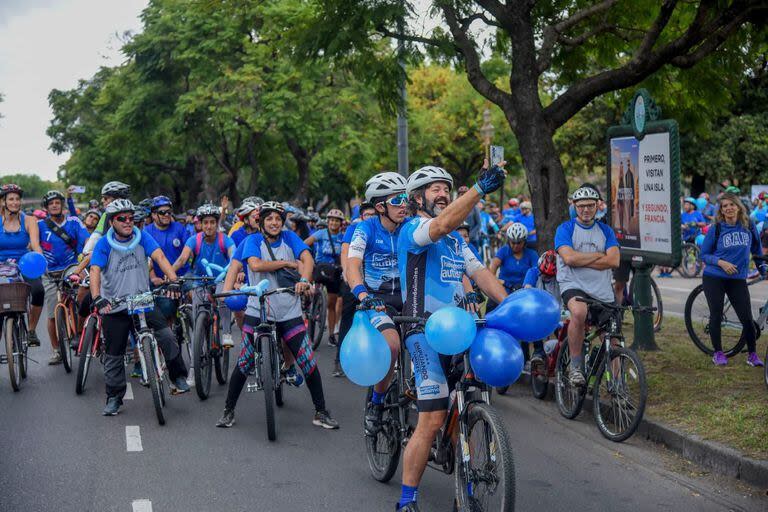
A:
[726, 250]
[513, 260]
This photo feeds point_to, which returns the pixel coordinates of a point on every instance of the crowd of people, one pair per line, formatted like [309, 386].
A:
[412, 246]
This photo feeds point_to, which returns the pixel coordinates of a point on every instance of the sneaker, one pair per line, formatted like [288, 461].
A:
[293, 377]
[719, 358]
[538, 363]
[227, 419]
[33, 340]
[753, 274]
[227, 341]
[337, 371]
[332, 340]
[408, 507]
[373, 413]
[754, 360]
[180, 386]
[576, 376]
[112, 407]
[323, 419]
[136, 372]
[55, 358]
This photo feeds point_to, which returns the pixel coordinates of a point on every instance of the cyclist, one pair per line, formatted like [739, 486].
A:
[513, 260]
[328, 268]
[248, 213]
[692, 220]
[109, 192]
[587, 251]
[18, 234]
[118, 269]
[373, 275]
[216, 248]
[62, 239]
[267, 254]
[91, 220]
[544, 277]
[432, 260]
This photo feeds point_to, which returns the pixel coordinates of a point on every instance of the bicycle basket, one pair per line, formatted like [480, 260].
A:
[141, 303]
[13, 297]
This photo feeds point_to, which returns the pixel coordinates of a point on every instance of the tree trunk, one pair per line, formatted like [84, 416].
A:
[698, 184]
[303, 158]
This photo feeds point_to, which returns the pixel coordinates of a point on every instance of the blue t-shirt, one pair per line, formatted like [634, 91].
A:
[238, 235]
[58, 254]
[532, 277]
[324, 251]
[171, 241]
[512, 270]
[530, 225]
[350, 231]
[210, 252]
[709, 211]
[734, 246]
[694, 216]
[376, 247]
[431, 271]
[758, 214]
[14, 245]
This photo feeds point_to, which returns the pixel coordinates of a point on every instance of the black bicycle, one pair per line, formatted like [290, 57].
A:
[615, 375]
[14, 300]
[314, 307]
[473, 443]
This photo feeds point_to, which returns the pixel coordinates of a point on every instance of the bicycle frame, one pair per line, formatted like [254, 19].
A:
[97, 339]
[66, 301]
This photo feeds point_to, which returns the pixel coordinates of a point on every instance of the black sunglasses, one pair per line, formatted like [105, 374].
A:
[124, 218]
[164, 212]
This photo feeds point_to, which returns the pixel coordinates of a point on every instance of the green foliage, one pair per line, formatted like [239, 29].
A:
[33, 186]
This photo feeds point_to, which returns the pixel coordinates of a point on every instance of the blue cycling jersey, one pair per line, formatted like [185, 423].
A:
[327, 246]
[377, 248]
[431, 270]
[58, 254]
[171, 241]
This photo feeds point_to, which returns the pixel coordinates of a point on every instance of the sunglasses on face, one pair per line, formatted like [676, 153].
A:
[164, 212]
[398, 200]
[125, 219]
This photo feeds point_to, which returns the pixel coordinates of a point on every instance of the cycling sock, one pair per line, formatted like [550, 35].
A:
[378, 398]
[577, 362]
[407, 495]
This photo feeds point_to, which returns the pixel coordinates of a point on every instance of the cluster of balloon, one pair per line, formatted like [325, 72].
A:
[496, 357]
[701, 203]
[528, 315]
[365, 356]
[32, 265]
[210, 268]
[450, 330]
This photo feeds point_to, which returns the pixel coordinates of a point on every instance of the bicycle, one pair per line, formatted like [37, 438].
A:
[690, 264]
[473, 443]
[615, 376]
[697, 321]
[14, 299]
[268, 356]
[656, 301]
[91, 347]
[183, 328]
[65, 314]
[206, 340]
[153, 367]
[313, 306]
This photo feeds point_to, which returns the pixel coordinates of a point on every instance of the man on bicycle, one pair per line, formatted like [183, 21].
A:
[433, 260]
[62, 239]
[587, 251]
[118, 269]
[269, 255]
[373, 275]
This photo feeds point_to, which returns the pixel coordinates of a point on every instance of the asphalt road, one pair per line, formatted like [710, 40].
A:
[675, 291]
[57, 453]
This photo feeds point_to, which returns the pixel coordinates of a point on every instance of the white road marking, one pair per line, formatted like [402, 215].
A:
[128, 392]
[133, 439]
[142, 506]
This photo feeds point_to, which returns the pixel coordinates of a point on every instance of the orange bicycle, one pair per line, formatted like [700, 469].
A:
[65, 314]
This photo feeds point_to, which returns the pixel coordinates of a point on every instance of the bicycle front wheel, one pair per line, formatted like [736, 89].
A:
[150, 367]
[486, 482]
[383, 450]
[690, 265]
[11, 342]
[86, 354]
[619, 395]
[220, 358]
[656, 302]
[268, 380]
[202, 355]
[697, 325]
[317, 317]
[63, 334]
[569, 398]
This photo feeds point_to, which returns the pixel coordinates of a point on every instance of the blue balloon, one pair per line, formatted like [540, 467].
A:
[365, 355]
[496, 357]
[236, 302]
[32, 265]
[699, 239]
[450, 330]
[701, 203]
[528, 315]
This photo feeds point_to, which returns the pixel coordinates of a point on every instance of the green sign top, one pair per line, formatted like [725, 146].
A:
[640, 110]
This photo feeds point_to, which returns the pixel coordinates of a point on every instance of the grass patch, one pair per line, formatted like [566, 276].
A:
[685, 390]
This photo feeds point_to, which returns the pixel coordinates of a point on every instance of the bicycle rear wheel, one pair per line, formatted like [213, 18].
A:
[619, 395]
[220, 358]
[317, 316]
[697, 325]
[690, 265]
[383, 451]
[656, 302]
[487, 481]
[150, 367]
[86, 354]
[62, 332]
[569, 398]
[187, 332]
[22, 335]
[202, 354]
[540, 379]
[268, 381]
[10, 333]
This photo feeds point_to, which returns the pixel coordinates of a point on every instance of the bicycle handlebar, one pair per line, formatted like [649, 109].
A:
[615, 307]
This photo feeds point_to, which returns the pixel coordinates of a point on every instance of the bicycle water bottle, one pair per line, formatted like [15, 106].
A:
[549, 346]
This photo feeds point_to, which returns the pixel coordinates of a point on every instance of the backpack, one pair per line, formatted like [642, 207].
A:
[199, 244]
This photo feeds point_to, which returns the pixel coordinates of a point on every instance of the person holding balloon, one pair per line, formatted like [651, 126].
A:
[433, 259]
[20, 234]
[513, 260]
[373, 274]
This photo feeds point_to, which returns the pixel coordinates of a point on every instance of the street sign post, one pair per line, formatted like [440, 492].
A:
[643, 197]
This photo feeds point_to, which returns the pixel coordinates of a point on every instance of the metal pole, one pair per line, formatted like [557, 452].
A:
[402, 108]
[644, 336]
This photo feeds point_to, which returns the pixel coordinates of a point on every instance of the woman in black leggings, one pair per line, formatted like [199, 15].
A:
[726, 250]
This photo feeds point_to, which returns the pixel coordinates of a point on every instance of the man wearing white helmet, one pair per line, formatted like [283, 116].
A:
[586, 252]
[433, 260]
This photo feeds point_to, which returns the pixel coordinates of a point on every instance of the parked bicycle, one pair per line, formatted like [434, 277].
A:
[473, 443]
[615, 375]
[14, 301]
[656, 301]
[690, 264]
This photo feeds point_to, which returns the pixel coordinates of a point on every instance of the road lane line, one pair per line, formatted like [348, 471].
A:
[128, 392]
[133, 438]
[142, 506]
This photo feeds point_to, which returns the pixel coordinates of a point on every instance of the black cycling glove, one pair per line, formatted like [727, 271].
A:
[371, 302]
[491, 179]
[100, 303]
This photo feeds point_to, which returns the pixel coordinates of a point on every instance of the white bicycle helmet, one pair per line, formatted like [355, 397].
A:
[245, 209]
[119, 206]
[517, 232]
[208, 210]
[272, 206]
[585, 192]
[384, 184]
[425, 176]
[116, 189]
[334, 213]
